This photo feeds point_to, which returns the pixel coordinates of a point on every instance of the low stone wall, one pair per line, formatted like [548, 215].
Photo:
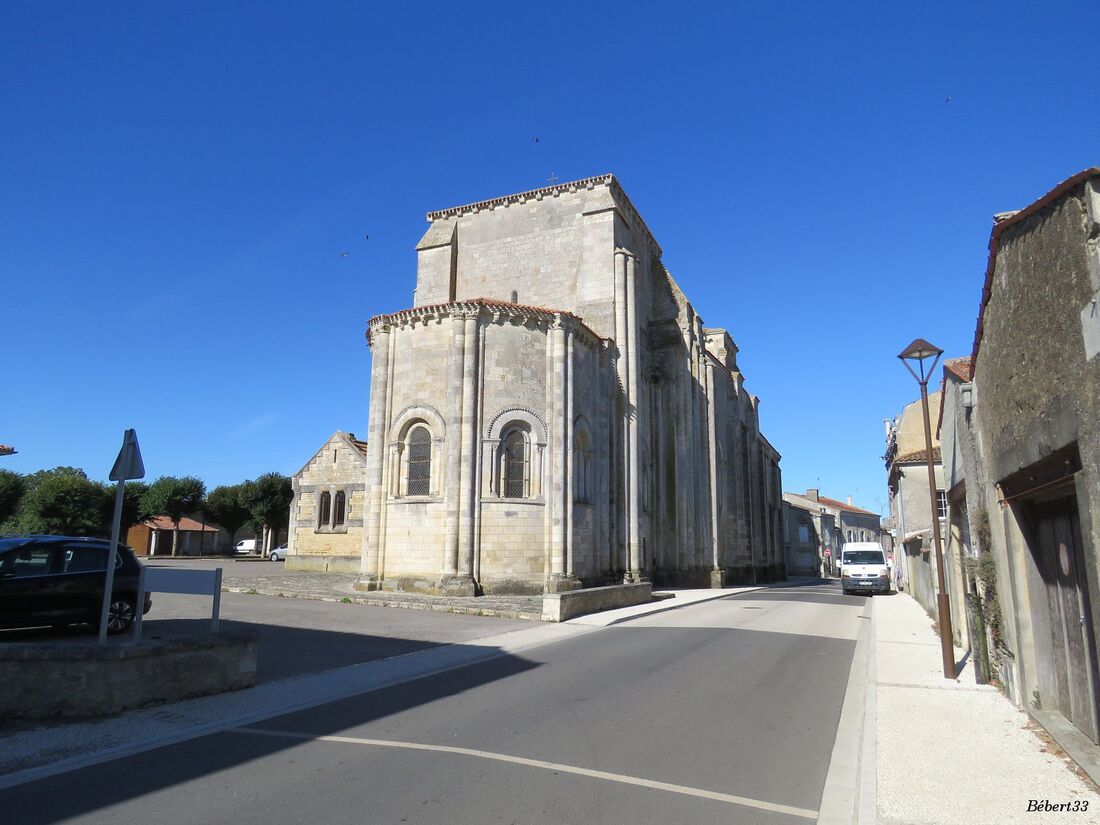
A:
[323, 564]
[558, 607]
[85, 679]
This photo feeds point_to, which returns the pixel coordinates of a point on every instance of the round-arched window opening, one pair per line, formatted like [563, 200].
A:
[515, 465]
[420, 462]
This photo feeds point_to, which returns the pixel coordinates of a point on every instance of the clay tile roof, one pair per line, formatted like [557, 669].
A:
[999, 227]
[484, 302]
[361, 446]
[186, 525]
[917, 455]
[843, 505]
[959, 367]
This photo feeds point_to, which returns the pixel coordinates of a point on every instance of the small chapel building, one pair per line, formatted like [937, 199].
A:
[552, 413]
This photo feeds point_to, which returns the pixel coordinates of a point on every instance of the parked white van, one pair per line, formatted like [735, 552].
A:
[245, 547]
[863, 568]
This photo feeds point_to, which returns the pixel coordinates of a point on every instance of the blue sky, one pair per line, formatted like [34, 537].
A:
[179, 180]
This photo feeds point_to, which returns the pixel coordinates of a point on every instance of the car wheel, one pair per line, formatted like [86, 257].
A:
[120, 615]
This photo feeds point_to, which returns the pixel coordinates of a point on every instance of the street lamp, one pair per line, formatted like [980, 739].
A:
[918, 353]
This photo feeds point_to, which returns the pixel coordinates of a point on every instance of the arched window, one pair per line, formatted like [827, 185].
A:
[515, 465]
[324, 510]
[339, 509]
[419, 478]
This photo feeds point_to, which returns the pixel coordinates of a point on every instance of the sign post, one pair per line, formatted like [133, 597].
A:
[128, 465]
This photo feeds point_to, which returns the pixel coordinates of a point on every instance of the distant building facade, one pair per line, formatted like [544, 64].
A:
[832, 521]
[553, 413]
[326, 516]
[910, 503]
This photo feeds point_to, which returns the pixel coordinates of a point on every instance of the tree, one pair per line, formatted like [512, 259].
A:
[174, 497]
[268, 501]
[225, 508]
[12, 488]
[64, 503]
[133, 509]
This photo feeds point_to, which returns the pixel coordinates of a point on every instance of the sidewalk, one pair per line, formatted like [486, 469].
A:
[955, 751]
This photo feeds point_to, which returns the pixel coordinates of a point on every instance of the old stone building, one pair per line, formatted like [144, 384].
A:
[553, 413]
[1021, 435]
[326, 516]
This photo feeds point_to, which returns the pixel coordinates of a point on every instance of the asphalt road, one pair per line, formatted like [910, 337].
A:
[723, 711]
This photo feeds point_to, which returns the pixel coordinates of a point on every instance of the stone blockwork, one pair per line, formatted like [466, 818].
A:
[326, 516]
[552, 413]
[44, 681]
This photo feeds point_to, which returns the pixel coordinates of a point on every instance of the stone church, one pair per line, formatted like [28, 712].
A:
[551, 413]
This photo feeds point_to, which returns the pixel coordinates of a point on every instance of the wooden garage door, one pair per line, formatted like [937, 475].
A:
[1057, 532]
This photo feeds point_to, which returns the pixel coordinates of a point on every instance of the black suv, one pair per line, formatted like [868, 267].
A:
[58, 580]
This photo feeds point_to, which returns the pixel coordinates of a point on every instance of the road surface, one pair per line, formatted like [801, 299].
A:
[723, 711]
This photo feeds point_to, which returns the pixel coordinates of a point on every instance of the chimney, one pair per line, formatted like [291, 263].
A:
[849, 501]
[813, 493]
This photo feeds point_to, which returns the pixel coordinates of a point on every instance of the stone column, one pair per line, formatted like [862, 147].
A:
[716, 572]
[620, 555]
[559, 578]
[454, 448]
[569, 419]
[634, 573]
[465, 584]
[369, 573]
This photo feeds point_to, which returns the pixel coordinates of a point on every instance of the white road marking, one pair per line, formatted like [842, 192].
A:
[551, 766]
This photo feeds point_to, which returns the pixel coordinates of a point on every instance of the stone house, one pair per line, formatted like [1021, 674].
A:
[810, 531]
[1024, 426]
[910, 502]
[326, 517]
[552, 412]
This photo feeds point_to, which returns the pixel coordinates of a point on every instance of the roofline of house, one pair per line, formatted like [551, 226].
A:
[1000, 228]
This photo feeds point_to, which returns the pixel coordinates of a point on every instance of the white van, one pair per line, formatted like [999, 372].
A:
[245, 547]
[863, 568]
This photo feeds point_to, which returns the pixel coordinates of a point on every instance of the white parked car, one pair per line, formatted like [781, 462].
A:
[245, 547]
[279, 553]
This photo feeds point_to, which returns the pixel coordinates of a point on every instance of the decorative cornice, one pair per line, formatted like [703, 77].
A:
[567, 187]
[489, 308]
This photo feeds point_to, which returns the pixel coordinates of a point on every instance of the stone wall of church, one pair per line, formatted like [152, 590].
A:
[420, 356]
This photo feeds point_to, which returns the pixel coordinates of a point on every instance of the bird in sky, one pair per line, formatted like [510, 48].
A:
[366, 237]
[948, 100]
[343, 254]
[536, 140]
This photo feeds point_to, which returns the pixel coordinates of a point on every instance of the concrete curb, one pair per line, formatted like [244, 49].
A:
[847, 782]
[868, 786]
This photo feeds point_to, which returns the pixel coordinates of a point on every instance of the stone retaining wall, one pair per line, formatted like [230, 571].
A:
[84, 679]
[558, 607]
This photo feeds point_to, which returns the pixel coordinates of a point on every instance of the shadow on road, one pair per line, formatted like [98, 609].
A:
[94, 788]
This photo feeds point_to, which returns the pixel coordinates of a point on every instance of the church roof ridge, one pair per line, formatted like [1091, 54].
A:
[607, 179]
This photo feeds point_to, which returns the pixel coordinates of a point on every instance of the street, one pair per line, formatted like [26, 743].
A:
[721, 711]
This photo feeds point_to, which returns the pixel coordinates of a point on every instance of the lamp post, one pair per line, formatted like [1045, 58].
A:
[918, 353]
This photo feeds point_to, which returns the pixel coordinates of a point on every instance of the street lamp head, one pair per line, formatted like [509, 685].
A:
[919, 352]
